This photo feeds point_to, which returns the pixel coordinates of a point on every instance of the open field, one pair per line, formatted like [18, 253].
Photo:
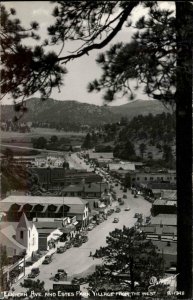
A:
[23, 140]
[36, 132]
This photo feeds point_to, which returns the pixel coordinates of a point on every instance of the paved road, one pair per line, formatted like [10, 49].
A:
[76, 260]
[76, 163]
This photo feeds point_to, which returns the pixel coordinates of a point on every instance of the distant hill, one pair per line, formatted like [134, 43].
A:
[140, 107]
[63, 112]
[69, 111]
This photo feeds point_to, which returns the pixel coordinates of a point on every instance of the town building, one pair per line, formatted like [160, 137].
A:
[155, 188]
[54, 179]
[86, 190]
[162, 231]
[51, 230]
[94, 156]
[45, 207]
[127, 166]
[146, 177]
[166, 204]
[19, 237]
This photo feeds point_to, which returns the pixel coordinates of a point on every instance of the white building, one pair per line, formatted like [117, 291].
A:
[27, 235]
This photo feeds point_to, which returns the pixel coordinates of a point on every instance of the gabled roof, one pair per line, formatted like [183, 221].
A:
[23, 222]
[7, 238]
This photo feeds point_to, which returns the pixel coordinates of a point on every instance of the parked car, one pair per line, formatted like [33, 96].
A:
[136, 215]
[125, 196]
[122, 202]
[127, 208]
[84, 239]
[47, 260]
[90, 227]
[34, 273]
[68, 245]
[61, 249]
[78, 243]
[62, 271]
[116, 220]
[117, 209]
[27, 283]
[61, 275]
[28, 263]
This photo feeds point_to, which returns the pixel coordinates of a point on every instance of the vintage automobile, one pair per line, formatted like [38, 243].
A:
[28, 283]
[31, 275]
[68, 245]
[117, 209]
[122, 202]
[61, 249]
[90, 227]
[116, 220]
[61, 275]
[47, 260]
[84, 239]
[34, 273]
[78, 243]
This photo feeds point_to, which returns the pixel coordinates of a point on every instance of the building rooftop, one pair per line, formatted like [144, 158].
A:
[165, 202]
[165, 219]
[75, 204]
[42, 200]
[105, 155]
[7, 236]
[169, 195]
[161, 186]
[122, 166]
[87, 187]
[160, 230]
[24, 223]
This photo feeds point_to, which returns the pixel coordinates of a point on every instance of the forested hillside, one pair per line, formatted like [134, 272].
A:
[143, 138]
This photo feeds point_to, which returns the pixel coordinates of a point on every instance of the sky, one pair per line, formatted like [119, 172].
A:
[84, 69]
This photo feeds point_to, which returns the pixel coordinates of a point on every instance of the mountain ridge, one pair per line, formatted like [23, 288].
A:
[69, 111]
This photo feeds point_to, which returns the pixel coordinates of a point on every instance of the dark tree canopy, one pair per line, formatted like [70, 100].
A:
[128, 252]
[159, 56]
[25, 70]
[150, 58]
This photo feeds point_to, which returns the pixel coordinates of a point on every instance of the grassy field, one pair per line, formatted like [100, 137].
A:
[37, 132]
[24, 139]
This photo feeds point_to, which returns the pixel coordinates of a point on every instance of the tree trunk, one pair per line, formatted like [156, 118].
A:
[184, 147]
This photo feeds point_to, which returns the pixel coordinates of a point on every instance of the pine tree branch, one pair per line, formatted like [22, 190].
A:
[87, 49]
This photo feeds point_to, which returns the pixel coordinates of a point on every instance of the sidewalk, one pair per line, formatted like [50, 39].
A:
[35, 265]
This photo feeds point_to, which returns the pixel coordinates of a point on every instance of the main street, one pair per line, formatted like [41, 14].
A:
[76, 261]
